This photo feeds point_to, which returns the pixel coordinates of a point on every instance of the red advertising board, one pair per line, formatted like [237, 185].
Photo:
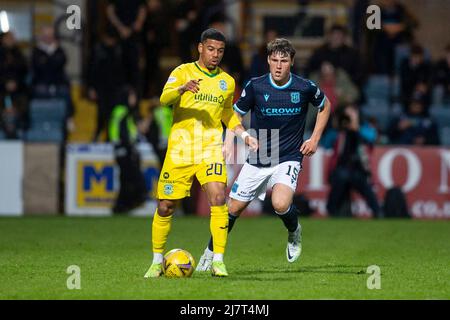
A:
[423, 173]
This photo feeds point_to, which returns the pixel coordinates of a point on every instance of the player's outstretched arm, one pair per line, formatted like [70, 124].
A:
[240, 131]
[252, 142]
[309, 147]
[172, 93]
[228, 143]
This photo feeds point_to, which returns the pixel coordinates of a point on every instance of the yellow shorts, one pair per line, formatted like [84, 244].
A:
[175, 180]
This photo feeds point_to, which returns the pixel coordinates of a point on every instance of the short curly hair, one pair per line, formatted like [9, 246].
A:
[212, 33]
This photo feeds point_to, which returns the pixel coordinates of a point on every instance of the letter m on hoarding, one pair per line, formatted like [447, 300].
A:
[91, 174]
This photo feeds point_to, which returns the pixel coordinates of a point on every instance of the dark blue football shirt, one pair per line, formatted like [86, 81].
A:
[278, 116]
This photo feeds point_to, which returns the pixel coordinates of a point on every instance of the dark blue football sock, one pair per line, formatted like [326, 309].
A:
[290, 218]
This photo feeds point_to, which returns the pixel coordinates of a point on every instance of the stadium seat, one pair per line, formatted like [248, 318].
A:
[376, 105]
[378, 87]
[437, 95]
[396, 88]
[380, 111]
[383, 122]
[441, 114]
[47, 109]
[47, 117]
[20, 134]
[445, 136]
[46, 132]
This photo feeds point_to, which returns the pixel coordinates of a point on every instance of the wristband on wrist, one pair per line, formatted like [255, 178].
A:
[244, 135]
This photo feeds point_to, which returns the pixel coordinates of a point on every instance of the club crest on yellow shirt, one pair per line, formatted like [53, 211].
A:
[223, 85]
[168, 189]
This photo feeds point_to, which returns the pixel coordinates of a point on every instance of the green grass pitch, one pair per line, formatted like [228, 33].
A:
[114, 253]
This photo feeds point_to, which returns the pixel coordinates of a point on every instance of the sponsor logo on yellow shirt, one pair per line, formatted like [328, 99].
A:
[208, 97]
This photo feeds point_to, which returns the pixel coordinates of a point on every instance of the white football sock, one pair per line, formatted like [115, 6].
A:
[157, 257]
[218, 257]
[208, 252]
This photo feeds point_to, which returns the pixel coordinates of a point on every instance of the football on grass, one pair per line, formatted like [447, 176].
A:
[178, 263]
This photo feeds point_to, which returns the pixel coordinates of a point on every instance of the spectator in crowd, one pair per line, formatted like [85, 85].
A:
[191, 18]
[123, 133]
[49, 77]
[339, 53]
[127, 18]
[157, 36]
[211, 10]
[151, 131]
[442, 75]
[381, 131]
[187, 26]
[349, 165]
[415, 77]
[358, 22]
[259, 65]
[397, 26]
[336, 84]
[13, 87]
[164, 118]
[414, 127]
[106, 76]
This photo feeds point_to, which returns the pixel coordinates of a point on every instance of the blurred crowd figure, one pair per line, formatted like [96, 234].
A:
[398, 26]
[123, 133]
[126, 20]
[339, 53]
[106, 76]
[156, 38]
[441, 74]
[415, 78]
[14, 91]
[352, 140]
[414, 126]
[336, 84]
[22, 79]
[49, 78]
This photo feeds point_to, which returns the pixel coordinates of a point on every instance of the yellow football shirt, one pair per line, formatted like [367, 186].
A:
[196, 133]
